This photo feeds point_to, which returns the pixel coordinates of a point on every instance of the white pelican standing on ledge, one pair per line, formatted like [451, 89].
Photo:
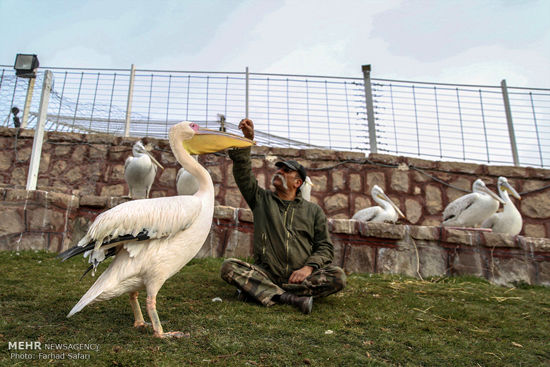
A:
[472, 209]
[140, 171]
[186, 184]
[386, 212]
[152, 239]
[306, 189]
[509, 220]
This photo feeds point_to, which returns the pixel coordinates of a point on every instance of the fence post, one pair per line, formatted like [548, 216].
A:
[246, 101]
[129, 102]
[34, 165]
[370, 108]
[28, 102]
[511, 132]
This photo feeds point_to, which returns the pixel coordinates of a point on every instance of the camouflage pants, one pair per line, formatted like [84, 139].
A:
[258, 283]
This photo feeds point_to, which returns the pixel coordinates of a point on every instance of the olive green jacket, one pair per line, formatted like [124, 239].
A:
[287, 234]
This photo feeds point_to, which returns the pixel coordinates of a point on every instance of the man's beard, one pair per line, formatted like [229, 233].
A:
[282, 180]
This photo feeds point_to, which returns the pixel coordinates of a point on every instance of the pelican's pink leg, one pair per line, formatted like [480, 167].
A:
[138, 316]
[157, 327]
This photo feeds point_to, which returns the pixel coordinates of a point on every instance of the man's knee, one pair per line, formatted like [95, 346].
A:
[227, 268]
[339, 279]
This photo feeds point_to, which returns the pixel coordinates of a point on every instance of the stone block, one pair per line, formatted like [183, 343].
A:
[433, 259]
[382, 230]
[536, 205]
[421, 163]
[511, 271]
[113, 190]
[427, 233]
[398, 260]
[459, 167]
[319, 154]
[224, 212]
[384, 158]
[336, 202]
[29, 241]
[338, 181]
[233, 198]
[287, 153]
[167, 177]
[360, 202]
[19, 176]
[434, 203]
[239, 244]
[413, 210]
[355, 184]
[257, 163]
[347, 226]
[167, 159]
[11, 221]
[339, 247]
[507, 171]
[44, 163]
[498, 240]
[462, 183]
[359, 259]
[534, 230]
[215, 173]
[467, 261]
[400, 181]
[213, 245]
[245, 215]
[531, 244]
[463, 237]
[375, 178]
[106, 139]
[45, 220]
[420, 178]
[98, 151]
[19, 195]
[6, 160]
[80, 155]
[320, 181]
[93, 201]
[259, 150]
[74, 174]
[543, 276]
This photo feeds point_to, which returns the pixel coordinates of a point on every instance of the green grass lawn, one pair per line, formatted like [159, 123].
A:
[378, 320]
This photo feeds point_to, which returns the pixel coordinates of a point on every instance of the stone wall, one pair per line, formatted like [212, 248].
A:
[92, 165]
[42, 220]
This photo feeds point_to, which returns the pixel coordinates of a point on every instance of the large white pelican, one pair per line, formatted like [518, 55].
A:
[386, 212]
[186, 183]
[509, 220]
[140, 171]
[152, 239]
[306, 188]
[472, 209]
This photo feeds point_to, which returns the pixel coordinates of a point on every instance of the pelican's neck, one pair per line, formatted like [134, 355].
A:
[192, 166]
[504, 195]
[384, 204]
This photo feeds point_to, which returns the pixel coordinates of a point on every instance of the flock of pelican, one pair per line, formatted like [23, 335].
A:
[477, 209]
[152, 239]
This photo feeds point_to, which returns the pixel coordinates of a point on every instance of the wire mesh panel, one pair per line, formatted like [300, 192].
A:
[428, 120]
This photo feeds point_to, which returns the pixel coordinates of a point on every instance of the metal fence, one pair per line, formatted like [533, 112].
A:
[489, 124]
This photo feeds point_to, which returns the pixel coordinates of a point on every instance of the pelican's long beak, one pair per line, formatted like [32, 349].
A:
[386, 198]
[511, 190]
[493, 195]
[210, 141]
[154, 160]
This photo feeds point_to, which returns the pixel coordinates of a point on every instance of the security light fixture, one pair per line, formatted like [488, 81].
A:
[26, 65]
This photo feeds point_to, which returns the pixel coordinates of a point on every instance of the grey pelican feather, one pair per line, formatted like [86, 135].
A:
[509, 220]
[140, 171]
[472, 209]
[386, 212]
[186, 183]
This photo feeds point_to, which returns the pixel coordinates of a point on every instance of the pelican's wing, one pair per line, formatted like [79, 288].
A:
[367, 214]
[127, 162]
[491, 221]
[458, 206]
[136, 220]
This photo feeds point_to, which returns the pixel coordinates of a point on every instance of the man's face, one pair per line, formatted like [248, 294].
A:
[286, 178]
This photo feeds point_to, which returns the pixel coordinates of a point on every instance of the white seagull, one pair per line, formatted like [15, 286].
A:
[509, 220]
[152, 239]
[306, 188]
[386, 212]
[472, 209]
[140, 171]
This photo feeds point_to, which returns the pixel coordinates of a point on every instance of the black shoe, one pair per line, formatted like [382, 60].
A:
[304, 304]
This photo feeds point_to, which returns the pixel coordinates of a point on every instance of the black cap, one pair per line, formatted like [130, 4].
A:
[295, 166]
